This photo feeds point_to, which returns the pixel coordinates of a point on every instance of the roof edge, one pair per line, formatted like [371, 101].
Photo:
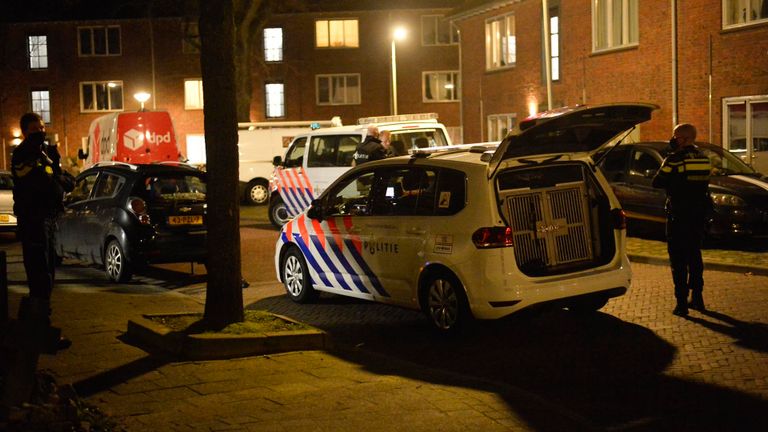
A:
[470, 11]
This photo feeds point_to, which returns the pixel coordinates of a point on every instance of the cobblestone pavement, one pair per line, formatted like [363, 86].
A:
[633, 366]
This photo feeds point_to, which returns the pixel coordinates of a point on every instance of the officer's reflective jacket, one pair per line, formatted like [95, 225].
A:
[685, 176]
[38, 188]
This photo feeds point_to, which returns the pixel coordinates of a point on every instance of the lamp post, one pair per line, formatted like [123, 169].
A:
[398, 33]
[141, 97]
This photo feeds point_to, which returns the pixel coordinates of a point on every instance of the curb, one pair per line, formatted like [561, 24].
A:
[708, 265]
[223, 346]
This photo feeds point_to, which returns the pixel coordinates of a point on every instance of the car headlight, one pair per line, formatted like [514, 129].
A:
[728, 200]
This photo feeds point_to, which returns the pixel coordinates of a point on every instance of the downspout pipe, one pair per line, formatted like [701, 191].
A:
[673, 7]
[461, 90]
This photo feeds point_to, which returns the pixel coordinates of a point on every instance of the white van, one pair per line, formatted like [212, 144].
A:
[258, 144]
[316, 159]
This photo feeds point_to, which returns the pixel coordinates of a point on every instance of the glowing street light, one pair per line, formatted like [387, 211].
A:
[398, 34]
[141, 97]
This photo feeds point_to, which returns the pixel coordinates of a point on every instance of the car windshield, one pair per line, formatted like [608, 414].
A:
[176, 188]
[724, 162]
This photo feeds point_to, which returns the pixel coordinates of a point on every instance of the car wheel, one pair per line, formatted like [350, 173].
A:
[115, 263]
[278, 212]
[445, 303]
[587, 304]
[296, 277]
[257, 193]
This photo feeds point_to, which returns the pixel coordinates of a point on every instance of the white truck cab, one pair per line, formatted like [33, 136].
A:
[316, 159]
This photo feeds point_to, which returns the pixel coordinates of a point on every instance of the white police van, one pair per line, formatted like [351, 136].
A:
[479, 232]
[315, 159]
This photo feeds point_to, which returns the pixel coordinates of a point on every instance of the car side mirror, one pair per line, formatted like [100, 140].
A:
[277, 161]
[81, 154]
[315, 210]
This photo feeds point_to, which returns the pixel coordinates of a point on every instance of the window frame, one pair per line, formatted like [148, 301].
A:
[453, 34]
[39, 57]
[748, 20]
[345, 44]
[456, 90]
[627, 16]
[330, 77]
[280, 50]
[190, 37]
[106, 29]
[555, 66]
[498, 47]
[187, 105]
[749, 127]
[44, 113]
[109, 95]
[511, 121]
[267, 102]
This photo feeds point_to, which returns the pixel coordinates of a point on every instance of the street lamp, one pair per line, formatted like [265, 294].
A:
[141, 97]
[398, 33]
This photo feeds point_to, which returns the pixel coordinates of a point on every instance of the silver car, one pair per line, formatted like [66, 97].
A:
[7, 218]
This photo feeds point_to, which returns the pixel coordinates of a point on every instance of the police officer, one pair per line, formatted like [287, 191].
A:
[685, 176]
[370, 149]
[38, 189]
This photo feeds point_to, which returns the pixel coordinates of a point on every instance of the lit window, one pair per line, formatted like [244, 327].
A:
[336, 33]
[193, 94]
[338, 89]
[101, 96]
[614, 24]
[41, 104]
[745, 129]
[440, 86]
[275, 99]
[37, 47]
[437, 31]
[499, 126]
[273, 44]
[744, 12]
[99, 41]
[500, 42]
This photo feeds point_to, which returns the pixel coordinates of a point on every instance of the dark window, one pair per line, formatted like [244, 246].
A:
[332, 150]
[643, 164]
[404, 191]
[295, 155]
[615, 163]
[82, 189]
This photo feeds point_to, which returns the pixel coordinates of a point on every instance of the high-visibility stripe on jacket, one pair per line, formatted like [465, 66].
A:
[685, 175]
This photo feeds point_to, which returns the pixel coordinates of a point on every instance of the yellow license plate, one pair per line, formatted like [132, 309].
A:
[5, 218]
[185, 220]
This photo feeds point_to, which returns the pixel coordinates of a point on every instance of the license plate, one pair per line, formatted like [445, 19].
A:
[185, 220]
[5, 218]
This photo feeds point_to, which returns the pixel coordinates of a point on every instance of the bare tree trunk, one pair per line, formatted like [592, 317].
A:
[224, 297]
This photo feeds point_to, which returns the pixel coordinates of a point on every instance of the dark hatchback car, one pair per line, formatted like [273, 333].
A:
[739, 193]
[124, 217]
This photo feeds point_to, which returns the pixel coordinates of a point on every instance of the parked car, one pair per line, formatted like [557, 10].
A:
[7, 218]
[316, 158]
[739, 193]
[472, 232]
[124, 216]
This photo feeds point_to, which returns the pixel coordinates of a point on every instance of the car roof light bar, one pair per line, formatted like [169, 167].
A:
[398, 118]
[473, 148]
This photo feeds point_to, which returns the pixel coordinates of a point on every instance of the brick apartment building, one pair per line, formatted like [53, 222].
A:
[703, 62]
[310, 66]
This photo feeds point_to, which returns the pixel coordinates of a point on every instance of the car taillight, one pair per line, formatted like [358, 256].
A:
[619, 218]
[492, 237]
[139, 208]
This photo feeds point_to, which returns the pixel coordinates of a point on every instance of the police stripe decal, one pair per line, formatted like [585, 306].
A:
[289, 197]
[367, 270]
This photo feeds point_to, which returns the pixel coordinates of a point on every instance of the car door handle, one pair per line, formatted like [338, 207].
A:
[415, 230]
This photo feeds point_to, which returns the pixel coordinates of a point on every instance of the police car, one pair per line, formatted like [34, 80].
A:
[472, 232]
[315, 159]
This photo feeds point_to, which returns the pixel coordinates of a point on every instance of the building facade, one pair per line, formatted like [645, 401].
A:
[703, 62]
[308, 66]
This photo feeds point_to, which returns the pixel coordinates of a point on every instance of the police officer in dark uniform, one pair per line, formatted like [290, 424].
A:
[370, 149]
[38, 189]
[685, 176]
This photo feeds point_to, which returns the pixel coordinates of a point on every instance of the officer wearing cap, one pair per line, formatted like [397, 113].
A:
[38, 189]
[685, 176]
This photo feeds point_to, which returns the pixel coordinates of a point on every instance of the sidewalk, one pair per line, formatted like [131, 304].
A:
[655, 252]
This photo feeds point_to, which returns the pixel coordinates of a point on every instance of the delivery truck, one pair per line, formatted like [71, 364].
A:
[132, 137]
